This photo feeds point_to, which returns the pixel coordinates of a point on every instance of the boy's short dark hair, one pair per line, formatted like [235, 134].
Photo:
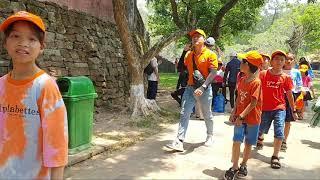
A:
[39, 33]
[253, 69]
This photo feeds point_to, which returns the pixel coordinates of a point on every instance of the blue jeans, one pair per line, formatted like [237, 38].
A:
[249, 132]
[188, 102]
[266, 119]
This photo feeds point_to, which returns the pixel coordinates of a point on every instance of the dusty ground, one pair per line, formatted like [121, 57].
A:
[150, 160]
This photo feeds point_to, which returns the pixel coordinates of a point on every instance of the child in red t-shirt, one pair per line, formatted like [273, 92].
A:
[247, 113]
[275, 84]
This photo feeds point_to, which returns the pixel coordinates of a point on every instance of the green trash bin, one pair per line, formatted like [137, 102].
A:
[78, 94]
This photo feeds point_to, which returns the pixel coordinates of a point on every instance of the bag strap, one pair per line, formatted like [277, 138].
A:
[194, 63]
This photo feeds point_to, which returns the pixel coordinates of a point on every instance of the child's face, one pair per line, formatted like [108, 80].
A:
[265, 63]
[278, 61]
[289, 63]
[22, 44]
[244, 67]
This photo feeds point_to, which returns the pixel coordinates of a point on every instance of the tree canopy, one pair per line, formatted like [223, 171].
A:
[170, 15]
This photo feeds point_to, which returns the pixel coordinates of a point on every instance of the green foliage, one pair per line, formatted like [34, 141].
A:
[242, 17]
[267, 38]
[309, 17]
[168, 80]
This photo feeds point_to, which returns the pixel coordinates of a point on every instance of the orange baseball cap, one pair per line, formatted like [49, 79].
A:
[199, 31]
[253, 57]
[23, 16]
[265, 55]
[279, 52]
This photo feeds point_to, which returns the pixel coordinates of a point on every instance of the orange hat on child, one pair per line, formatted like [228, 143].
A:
[197, 31]
[253, 57]
[278, 52]
[23, 16]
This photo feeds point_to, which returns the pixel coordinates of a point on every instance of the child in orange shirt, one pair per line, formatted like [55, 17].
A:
[247, 113]
[33, 119]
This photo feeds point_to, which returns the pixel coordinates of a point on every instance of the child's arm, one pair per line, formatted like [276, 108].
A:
[249, 108]
[312, 90]
[291, 103]
[57, 173]
[246, 111]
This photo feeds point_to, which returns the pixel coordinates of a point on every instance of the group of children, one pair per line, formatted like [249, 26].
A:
[268, 90]
[33, 123]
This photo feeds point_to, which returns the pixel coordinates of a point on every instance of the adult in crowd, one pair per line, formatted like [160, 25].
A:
[201, 64]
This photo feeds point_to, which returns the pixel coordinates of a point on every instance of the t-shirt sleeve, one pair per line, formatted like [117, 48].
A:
[256, 90]
[186, 62]
[213, 61]
[288, 85]
[54, 126]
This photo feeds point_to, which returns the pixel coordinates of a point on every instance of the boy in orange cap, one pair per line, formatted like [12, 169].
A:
[33, 121]
[275, 85]
[246, 115]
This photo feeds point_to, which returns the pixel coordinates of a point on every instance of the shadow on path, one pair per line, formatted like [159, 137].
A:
[314, 145]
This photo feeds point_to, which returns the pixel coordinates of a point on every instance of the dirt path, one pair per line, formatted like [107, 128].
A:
[148, 159]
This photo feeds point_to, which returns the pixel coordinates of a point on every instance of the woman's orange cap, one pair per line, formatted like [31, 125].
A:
[23, 16]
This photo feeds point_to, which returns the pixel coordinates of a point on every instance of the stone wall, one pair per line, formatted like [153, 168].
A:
[78, 44]
[98, 8]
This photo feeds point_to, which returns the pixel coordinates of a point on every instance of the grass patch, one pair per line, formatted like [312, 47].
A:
[168, 80]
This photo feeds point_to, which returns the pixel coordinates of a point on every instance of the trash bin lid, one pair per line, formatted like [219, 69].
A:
[76, 86]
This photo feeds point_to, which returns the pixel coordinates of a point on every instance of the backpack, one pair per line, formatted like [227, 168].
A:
[149, 69]
[219, 103]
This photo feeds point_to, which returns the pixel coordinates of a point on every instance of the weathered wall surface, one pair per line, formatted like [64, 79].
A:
[99, 8]
[78, 44]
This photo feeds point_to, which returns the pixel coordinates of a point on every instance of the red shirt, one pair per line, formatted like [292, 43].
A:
[273, 89]
[247, 91]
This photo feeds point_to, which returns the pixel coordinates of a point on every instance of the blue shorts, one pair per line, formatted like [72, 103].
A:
[250, 132]
[266, 119]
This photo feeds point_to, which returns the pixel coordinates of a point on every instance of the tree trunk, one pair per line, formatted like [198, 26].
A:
[219, 17]
[139, 105]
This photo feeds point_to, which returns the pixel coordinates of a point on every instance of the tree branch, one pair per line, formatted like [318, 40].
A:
[175, 14]
[218, 19]
[163, 42]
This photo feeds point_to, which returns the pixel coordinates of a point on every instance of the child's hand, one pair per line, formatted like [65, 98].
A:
[232, 118]
[295, 116]
[238, 122]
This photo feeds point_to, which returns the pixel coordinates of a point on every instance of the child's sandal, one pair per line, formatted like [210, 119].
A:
[275, 162]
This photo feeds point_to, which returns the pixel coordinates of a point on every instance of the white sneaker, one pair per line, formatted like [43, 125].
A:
[176, 145]
[209, 141]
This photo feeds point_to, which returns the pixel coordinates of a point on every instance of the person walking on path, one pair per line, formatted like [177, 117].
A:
[201, 64]
[183, 76]
[230, 76]
[246, 115]
[296, 78]
[33, 118]
[275, 84]
[153, 79]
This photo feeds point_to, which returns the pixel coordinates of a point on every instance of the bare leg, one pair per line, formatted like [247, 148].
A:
[235, 155]
[246, 153]
[276, 146]
[286, 131]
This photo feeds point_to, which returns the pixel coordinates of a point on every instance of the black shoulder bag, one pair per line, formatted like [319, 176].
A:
[198, 79]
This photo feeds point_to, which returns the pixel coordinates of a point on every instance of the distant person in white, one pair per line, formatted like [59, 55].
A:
[153, 80]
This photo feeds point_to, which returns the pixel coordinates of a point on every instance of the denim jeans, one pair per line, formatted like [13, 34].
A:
[188, 102]
[279, 118]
